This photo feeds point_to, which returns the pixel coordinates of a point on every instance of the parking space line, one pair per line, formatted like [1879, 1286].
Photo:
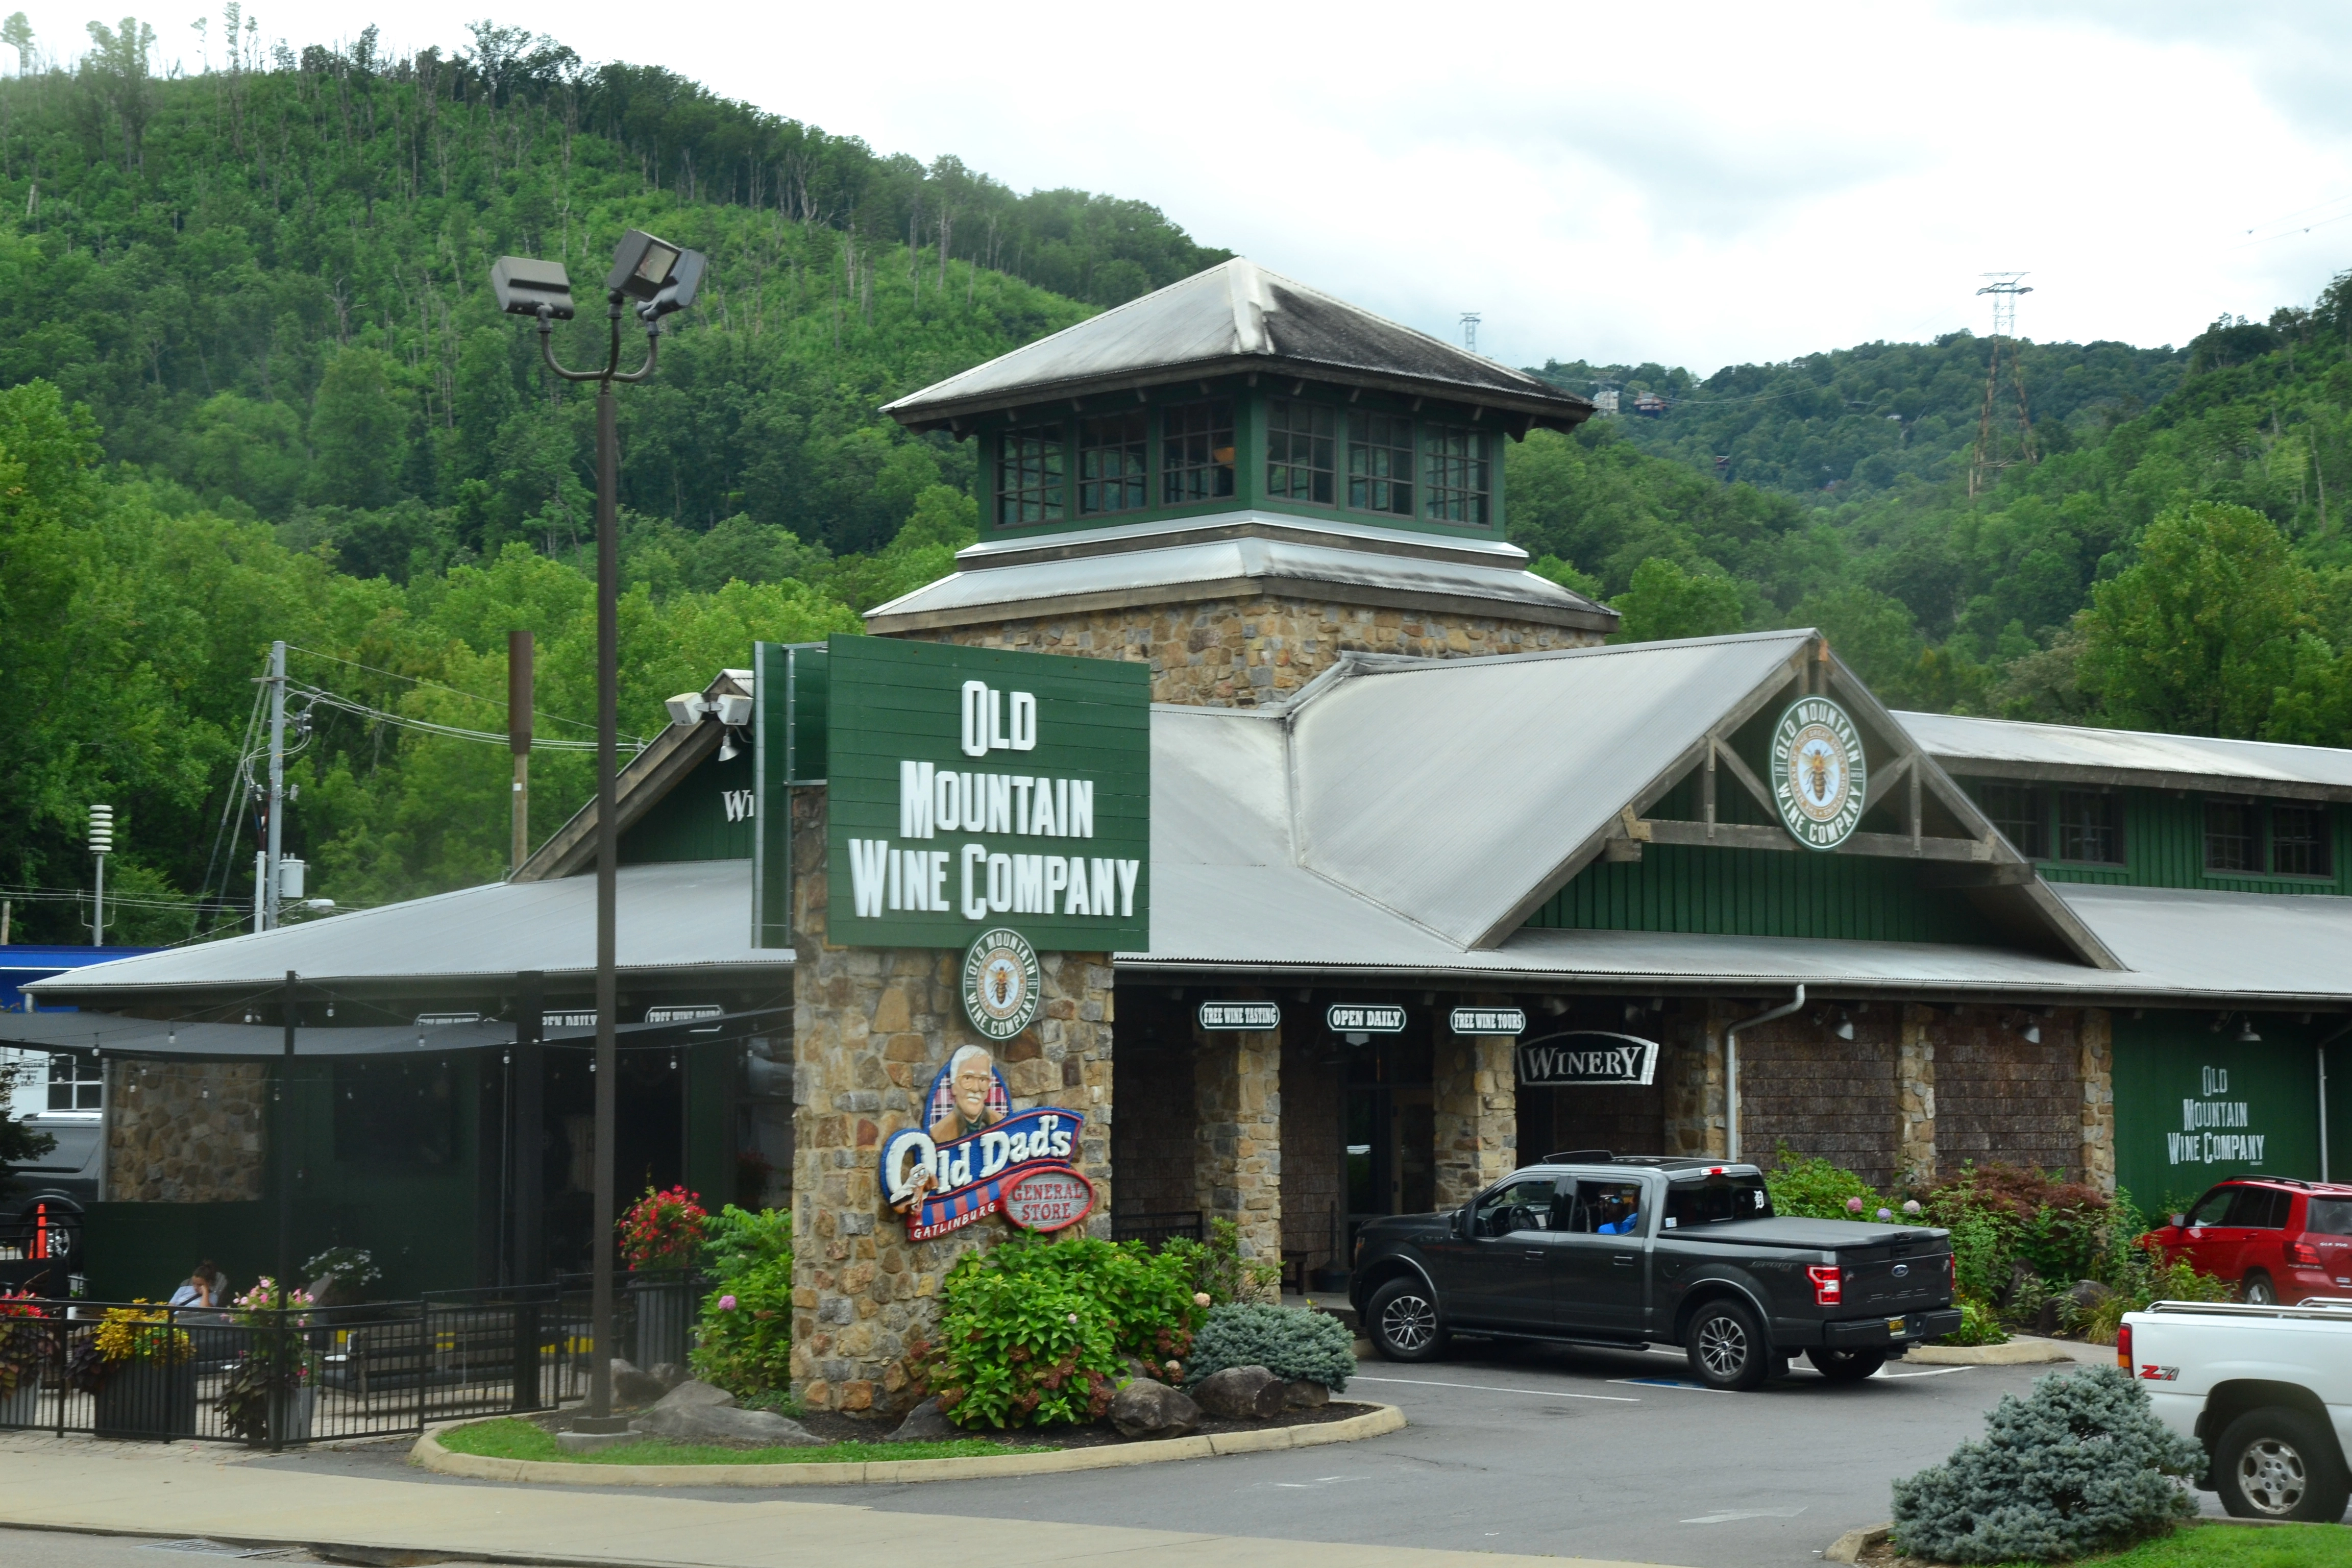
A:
[1490, 1388]
[1930, 1372]
[1670, 1383]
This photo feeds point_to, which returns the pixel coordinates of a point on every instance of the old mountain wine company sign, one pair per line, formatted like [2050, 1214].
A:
[1819, 777]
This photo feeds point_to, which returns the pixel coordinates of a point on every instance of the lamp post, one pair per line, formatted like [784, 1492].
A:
[101, 842]
[661, 278]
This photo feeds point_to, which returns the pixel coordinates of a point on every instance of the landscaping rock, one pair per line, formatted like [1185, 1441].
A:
[690, 1395]
[724, 1424]
[2087, 1293]
[1146, 1408]
[926, 1423]
[669, 1374]
[631, 1387]
[1241, 1393]
[1304, 1394]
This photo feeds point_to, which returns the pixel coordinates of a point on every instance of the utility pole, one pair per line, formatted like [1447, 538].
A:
[266, 901]
[1993, 453]
[101, 842]
[518, 698]
[1470, 331]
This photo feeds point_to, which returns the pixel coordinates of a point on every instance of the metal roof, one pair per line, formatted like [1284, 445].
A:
[1236, 316]
[1250, 556]
[686, 920]
[2002, 748]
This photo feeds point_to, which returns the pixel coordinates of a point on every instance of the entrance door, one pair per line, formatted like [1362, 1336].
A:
[1388, 1131]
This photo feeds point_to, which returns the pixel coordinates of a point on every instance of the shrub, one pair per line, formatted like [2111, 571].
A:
[2146, 1280]
[744, 1341]
[1217, 1268]
[2081, 1465]
[1811, 1188]
[1289, 1342]
[1981, 1253]
[1978, 1326]
[1038, 1331]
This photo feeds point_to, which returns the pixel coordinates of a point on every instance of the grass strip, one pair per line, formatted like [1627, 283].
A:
[509, 1437]
[2227, 1546]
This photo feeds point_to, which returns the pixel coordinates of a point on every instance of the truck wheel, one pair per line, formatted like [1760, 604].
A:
[1405, 1321]
[2258, 1291]
[2276, 1463]
[1845, 1366]
[1728, 1348]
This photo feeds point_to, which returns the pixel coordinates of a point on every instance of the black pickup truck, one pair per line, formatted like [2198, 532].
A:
[1635, 1249]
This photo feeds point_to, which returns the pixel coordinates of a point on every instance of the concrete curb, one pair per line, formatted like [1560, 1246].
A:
[430, 1455]
[2021, 1351]
[1849, 1547]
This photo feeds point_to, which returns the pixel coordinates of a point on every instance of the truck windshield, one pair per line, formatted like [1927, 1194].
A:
[1711, 1200]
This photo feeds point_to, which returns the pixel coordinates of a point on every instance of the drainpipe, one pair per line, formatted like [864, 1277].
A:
[1731, 1070]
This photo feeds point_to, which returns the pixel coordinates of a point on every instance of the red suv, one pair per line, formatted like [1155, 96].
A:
[2280, 1239]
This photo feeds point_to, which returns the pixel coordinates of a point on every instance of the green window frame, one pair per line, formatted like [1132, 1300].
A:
[1301, 442]
[1453, 475]
[1380, 463]
[1196, 452]
[2021, 813]
[2302, 841]
[2091, 826]
[1030, 475]
[1114, 463]
[2233, 838]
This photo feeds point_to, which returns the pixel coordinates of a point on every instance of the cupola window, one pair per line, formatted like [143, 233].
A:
[1380, 463]
[1196, 452]
[1453, 475]
[1300, 442]
[1029, 476]
[1114, 457]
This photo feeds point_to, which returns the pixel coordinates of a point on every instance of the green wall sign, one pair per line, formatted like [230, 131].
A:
[2194, 1106]
[973, 788]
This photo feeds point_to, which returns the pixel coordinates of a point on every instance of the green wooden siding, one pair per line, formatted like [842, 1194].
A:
[2183, 1088]
[1765, 893]
[690, 822]
[2164, 847]
[1249, 459]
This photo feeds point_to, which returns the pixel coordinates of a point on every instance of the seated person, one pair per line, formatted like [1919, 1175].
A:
[202, 1289]
[1614, 1206]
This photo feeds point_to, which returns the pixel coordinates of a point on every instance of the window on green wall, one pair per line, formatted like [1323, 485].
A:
[2299, 841]
[1454, 474]
[392, 1113]
[1300, 440]
[1029, 476]
[1380, 463]
[2090, 825]
[2021, 813]
[1114, 462]
[1196, 452]
[2232, 838]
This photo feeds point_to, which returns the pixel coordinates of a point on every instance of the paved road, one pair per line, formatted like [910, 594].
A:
[1533, 1449]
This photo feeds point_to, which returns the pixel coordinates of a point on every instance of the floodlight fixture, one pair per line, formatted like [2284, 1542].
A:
[685, 280]
[734, 709]
[642, 265]
[1844, 1030]
[686, 708]
[524, 286]
[2246, 1034]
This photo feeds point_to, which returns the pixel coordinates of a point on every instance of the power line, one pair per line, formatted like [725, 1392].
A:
[436, 686]
[320, 696]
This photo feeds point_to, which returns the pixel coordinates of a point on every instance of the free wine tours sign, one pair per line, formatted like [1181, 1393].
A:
[975, 789]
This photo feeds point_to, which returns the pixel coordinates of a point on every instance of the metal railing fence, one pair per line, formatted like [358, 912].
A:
[137, 1370]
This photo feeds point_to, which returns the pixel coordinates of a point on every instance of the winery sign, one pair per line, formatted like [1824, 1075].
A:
[1586, 1057]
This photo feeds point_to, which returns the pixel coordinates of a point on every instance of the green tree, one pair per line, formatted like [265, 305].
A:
[2198, 635]
[1664, 601]
[358, 429]
[1873, 633]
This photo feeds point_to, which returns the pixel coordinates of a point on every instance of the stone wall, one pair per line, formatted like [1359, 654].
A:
[2097, 1068]
[870, 1028]
[1691, 1081]
[1237, 1163]
[1802, 1085]
[1916, 1156]
[186, 1132]
[1475, 1098]
[2000, 1096]
[1240, 652]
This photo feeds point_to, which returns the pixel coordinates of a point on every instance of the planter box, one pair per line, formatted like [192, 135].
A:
[290, 1416]
[146, 1399]
[666, 1315]
[23, 1408]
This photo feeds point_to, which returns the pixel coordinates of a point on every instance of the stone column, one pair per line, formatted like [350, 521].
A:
[1915, 1097]
[1475, 1095]
[870, 1028]
[1695, 1085]
[1237, 1166]
[2097, 1033]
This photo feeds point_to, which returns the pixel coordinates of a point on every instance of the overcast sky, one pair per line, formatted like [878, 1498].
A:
[1684, 182]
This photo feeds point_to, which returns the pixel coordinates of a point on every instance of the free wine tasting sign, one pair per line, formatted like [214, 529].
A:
[975, 789]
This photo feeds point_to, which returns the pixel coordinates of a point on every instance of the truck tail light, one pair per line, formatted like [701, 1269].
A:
[2302, 1254]
[2123, 1347]
[1952, 1271]
[1828, 1285]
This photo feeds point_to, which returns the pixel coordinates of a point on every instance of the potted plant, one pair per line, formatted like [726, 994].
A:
[24, 1336]
[272, 1389]
[662, 1234]
[143, 1368]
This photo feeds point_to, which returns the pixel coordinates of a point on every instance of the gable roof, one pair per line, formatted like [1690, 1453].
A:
[1237, 316]
[2072, 753]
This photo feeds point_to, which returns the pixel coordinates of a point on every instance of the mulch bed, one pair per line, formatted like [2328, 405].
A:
[836, 1427]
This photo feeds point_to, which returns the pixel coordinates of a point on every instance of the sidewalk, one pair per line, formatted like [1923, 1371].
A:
[190, 1489]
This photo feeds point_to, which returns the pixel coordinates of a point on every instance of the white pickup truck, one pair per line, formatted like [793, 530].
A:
[2267, 1390]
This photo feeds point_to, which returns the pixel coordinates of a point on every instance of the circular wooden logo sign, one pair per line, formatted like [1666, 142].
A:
[1000, 984]
[1049, 1200]
[1819, 777]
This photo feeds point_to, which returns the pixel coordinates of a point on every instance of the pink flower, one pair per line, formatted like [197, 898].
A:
[726, 1303]
[1854, 1206]
[1911, 1205]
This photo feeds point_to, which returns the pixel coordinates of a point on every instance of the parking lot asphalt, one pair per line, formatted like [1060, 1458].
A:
[1552, 1450]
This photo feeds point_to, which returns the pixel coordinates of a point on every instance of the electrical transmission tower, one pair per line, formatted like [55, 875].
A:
[1470, 331]
[1996, 449]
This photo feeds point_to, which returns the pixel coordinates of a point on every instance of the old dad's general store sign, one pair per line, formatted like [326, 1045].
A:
[972, 789]
[975, 1155]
